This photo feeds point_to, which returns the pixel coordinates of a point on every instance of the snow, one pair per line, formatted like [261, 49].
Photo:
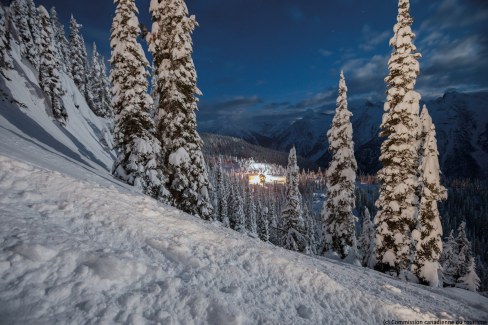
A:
[85, 252]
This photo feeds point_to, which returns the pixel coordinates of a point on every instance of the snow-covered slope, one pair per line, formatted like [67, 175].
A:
[78, 252]
[25, 112]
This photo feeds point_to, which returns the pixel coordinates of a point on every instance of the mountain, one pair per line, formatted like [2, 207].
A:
[216, 145]
[460, 118]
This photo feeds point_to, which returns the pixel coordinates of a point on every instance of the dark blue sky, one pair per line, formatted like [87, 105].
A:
[279, 56]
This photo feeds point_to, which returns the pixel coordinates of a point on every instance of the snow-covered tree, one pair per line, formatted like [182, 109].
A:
[49, 79]
[20, 11]
[398, 201]
[366, 241]
[293, 224]
[35, 28]
[5, 58]
[60, 41]
[138, 160]
[250, 211]
[458, 263]
[262, 222]
[106, 88]
[170, 42]
[429, 232]
[470, 281]
[236, 208]
[101, 104]
[449, 260]
[341, 176]
[78, 56]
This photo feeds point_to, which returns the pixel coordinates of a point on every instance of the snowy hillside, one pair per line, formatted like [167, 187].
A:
[25, 113]
[86, 251]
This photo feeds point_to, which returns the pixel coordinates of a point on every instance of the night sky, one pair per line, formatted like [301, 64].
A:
[278, 56]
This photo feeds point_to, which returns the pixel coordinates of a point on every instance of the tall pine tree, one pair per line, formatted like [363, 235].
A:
[60, 40]
[366, 241]
[78, 56]
[6, 61]
[20, 12]
[293, 224]
[341, 176]
[429, 241]
[49, 79]
[101, 105]
[398, 201]
[170, 42]
[138, 160]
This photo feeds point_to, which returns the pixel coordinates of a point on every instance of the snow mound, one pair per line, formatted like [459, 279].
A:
[86, 251]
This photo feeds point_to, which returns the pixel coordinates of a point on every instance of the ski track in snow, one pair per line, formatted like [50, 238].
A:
[77, 252]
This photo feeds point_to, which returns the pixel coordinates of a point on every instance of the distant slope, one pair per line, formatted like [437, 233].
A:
[216, 145]
[461, 120]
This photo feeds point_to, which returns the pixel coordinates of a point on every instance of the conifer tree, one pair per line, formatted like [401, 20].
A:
[138, 160]
[398, 201]
[170, 42]
[49, 79]
[293, 224]
[262, 222]
[101, 106]
[366, 241]
[237, 217]
[60, 41]
[470, 281]
[20, 17]
[35, 28]
[429, 232]
[6, 61]
[78, 56]
[449, 260]
[106, 89]
[250, 212]
[341, 177]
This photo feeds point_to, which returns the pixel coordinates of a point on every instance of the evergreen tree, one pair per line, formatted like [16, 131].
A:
[262, 222]
[341, 177]
[219, 184]
[106, 89]
[78, 56]
[138, 160]
[450, 261]
[470, 281]
[250, 211]
[429, 242]
[170, 42]
[398, 201]
[20, 17]
[60, 41]
[49, 79]
[6, 61]
[101, 106]
[366, 241]
[35, 28]
[237, 217]
[293, 225]
[311, 231]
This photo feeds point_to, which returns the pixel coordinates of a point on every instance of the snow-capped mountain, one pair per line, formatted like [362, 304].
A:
[460, 118]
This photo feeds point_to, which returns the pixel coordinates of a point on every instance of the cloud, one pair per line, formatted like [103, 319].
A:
[371, 39]
[365, 76]
[325, 53]
[231, 106]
